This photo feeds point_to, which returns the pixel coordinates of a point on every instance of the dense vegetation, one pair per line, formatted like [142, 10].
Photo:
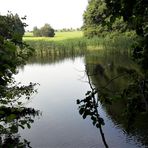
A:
[104, 16]
[73, 43]
[97, 20]
[45, 31]
[13, 53]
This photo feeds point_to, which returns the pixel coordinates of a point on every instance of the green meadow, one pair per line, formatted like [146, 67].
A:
[58, 36]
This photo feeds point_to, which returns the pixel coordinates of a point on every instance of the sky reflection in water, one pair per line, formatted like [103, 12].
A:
[60, 125]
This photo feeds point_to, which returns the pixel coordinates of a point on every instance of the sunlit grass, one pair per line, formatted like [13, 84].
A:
[58, 36]
[73, 43]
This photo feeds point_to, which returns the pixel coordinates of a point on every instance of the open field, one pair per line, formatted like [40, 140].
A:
[58, 36]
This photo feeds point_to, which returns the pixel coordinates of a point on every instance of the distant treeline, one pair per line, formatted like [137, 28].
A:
[68, 30]
[48, 31]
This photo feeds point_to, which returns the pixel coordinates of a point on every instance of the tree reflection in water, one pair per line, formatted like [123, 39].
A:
[122, 103]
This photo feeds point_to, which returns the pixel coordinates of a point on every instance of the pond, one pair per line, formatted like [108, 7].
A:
[62, 82]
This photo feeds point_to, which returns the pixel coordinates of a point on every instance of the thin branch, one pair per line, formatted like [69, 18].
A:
[96, 110]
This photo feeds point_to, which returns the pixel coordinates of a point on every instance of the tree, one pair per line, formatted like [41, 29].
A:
[36, 32]
[135, 13]
[45, 31]
[13, 53]
[94, 17]
[97, 20]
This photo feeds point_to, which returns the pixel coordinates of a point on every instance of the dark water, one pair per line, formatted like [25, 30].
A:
[60, 125]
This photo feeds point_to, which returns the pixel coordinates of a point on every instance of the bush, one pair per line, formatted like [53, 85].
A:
[45, 31]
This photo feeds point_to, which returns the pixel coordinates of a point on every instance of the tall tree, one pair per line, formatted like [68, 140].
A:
[94, 16]
[13, 53]
[97, 19]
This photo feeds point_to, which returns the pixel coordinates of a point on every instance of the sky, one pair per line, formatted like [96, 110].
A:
[58, 13]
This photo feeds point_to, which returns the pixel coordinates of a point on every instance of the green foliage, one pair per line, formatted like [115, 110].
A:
[36, 32]
[89, 107]
[94, 17]
[45, 31]
[135, 14]
[13, 53]
[103, 16]
[75, 46]
[13, 119]
[97, 20]
[123, 15]
[64, 45]
[13, 32]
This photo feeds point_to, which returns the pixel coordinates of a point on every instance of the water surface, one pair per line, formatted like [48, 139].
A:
[60, 125]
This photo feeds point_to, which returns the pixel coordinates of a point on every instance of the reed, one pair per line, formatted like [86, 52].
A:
[111, 43]
[68, 46]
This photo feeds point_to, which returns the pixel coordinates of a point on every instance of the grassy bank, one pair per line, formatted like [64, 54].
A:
[73, 43]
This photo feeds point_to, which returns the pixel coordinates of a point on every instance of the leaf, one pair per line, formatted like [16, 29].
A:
[78, 101]
[28, 125]
[81, 111]
[2, 112]
[84, 115]
[31, 120]
[21, 126]
[11, 117]
[93, 118]
[101, 121]
[88, 92]
[14, 129]
[23, 122]
[4, 102]
[94, 122]
[97, 125]
[19, 103]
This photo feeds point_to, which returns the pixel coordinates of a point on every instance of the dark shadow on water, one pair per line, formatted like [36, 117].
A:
[108, 76]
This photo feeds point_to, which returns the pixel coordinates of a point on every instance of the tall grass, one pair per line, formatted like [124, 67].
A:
[69, 47]
[119, 43]
[63, 44]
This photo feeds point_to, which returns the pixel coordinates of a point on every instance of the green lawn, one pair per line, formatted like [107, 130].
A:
[58, 36]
